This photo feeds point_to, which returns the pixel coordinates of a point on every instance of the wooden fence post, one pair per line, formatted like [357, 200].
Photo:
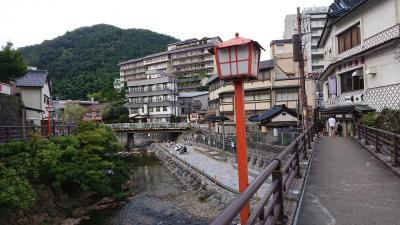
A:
[366, 135]
[296, 147]
[376, 141]
[7, 134]
[305, 146]
[278, 176]
[395, 152]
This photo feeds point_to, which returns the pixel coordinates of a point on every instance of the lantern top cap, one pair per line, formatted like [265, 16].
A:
[238, 41]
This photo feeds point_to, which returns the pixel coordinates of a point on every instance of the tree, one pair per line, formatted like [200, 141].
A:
[116, 113]
[74, 113]
[12, 64]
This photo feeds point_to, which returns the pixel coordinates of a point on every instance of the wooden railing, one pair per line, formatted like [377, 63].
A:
[21, 133]
[284, 168]
[385, 142]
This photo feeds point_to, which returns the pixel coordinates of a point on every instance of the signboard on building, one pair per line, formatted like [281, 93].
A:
[5, 89]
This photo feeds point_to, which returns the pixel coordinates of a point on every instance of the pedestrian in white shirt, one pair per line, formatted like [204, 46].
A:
[331, 124]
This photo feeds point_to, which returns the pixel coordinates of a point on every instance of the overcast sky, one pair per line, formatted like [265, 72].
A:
[28, 22]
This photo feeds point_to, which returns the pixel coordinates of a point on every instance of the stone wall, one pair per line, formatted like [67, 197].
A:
[205, 186]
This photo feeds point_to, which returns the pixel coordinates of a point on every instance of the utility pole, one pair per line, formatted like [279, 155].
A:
[303, 95]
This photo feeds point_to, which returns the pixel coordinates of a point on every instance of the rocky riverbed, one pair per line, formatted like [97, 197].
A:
[161, 199]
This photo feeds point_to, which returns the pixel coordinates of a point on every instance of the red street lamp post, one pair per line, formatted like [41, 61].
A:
[238, 59]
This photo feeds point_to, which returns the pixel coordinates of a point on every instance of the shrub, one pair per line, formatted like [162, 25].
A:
[72, 164]
[16, 192]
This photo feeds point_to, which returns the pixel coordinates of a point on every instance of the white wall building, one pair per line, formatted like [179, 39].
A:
[153, 98]
[361, 43]
[35, 94]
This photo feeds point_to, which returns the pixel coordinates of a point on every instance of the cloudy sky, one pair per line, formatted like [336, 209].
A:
[28, 22]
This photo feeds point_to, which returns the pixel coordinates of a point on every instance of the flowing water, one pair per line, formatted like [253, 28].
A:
[161, 199]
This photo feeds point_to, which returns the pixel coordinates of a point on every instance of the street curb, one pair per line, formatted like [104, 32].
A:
[379, 156]
[299, 204]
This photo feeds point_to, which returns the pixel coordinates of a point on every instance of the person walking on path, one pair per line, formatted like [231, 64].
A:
[339, 129]
[331, 124]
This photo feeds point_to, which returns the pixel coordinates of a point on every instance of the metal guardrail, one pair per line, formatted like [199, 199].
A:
[132, 126]
[385, 142]
[284, 168]
[21, 133]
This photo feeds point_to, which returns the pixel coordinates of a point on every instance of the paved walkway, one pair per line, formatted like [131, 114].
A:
[223, 171]
[348, 186]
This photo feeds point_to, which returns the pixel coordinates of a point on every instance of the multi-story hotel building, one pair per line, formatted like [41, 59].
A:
[313, 21]
[153, 98]
[361, 42]
[189, 61]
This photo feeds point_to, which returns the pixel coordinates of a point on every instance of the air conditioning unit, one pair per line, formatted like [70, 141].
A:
[371, 71]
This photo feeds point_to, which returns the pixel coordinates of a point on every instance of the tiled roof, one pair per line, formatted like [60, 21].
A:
[192, 94]
[212, 78]
[266, 116]
[33, 78]
[281, 41]
[267, 64]
[340, 8]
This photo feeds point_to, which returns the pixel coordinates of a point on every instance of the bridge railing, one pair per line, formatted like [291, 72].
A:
[127, 126]
[385, 142]
[284, 168]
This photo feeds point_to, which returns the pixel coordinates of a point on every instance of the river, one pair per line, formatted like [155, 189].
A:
[161, 199]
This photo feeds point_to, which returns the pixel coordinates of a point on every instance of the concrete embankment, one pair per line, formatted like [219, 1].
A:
[207, 188]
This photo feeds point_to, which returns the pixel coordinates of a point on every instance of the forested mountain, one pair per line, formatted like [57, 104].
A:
[85, 60]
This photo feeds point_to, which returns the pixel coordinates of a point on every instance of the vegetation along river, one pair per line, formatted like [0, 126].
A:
[161, 199]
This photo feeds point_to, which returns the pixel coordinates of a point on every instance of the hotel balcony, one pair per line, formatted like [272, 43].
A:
[182, 70]
[145, 81]
[150, 93]
[189, 55]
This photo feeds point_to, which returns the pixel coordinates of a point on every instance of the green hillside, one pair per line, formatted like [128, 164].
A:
[85, 60]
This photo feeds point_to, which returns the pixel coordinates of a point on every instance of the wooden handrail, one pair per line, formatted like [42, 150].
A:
[379, 138]
[270, 209]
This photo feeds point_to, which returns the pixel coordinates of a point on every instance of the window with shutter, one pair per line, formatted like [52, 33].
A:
[349, 38]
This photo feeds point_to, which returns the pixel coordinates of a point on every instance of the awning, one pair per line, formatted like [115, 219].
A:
[348, 109]
[363, 108]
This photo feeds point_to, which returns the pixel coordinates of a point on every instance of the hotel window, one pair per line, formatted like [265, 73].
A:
[352, 81]
[158, 108]
[165, 108]
[349, 38]
[286, 95]
[227, 99]
[151, 109]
